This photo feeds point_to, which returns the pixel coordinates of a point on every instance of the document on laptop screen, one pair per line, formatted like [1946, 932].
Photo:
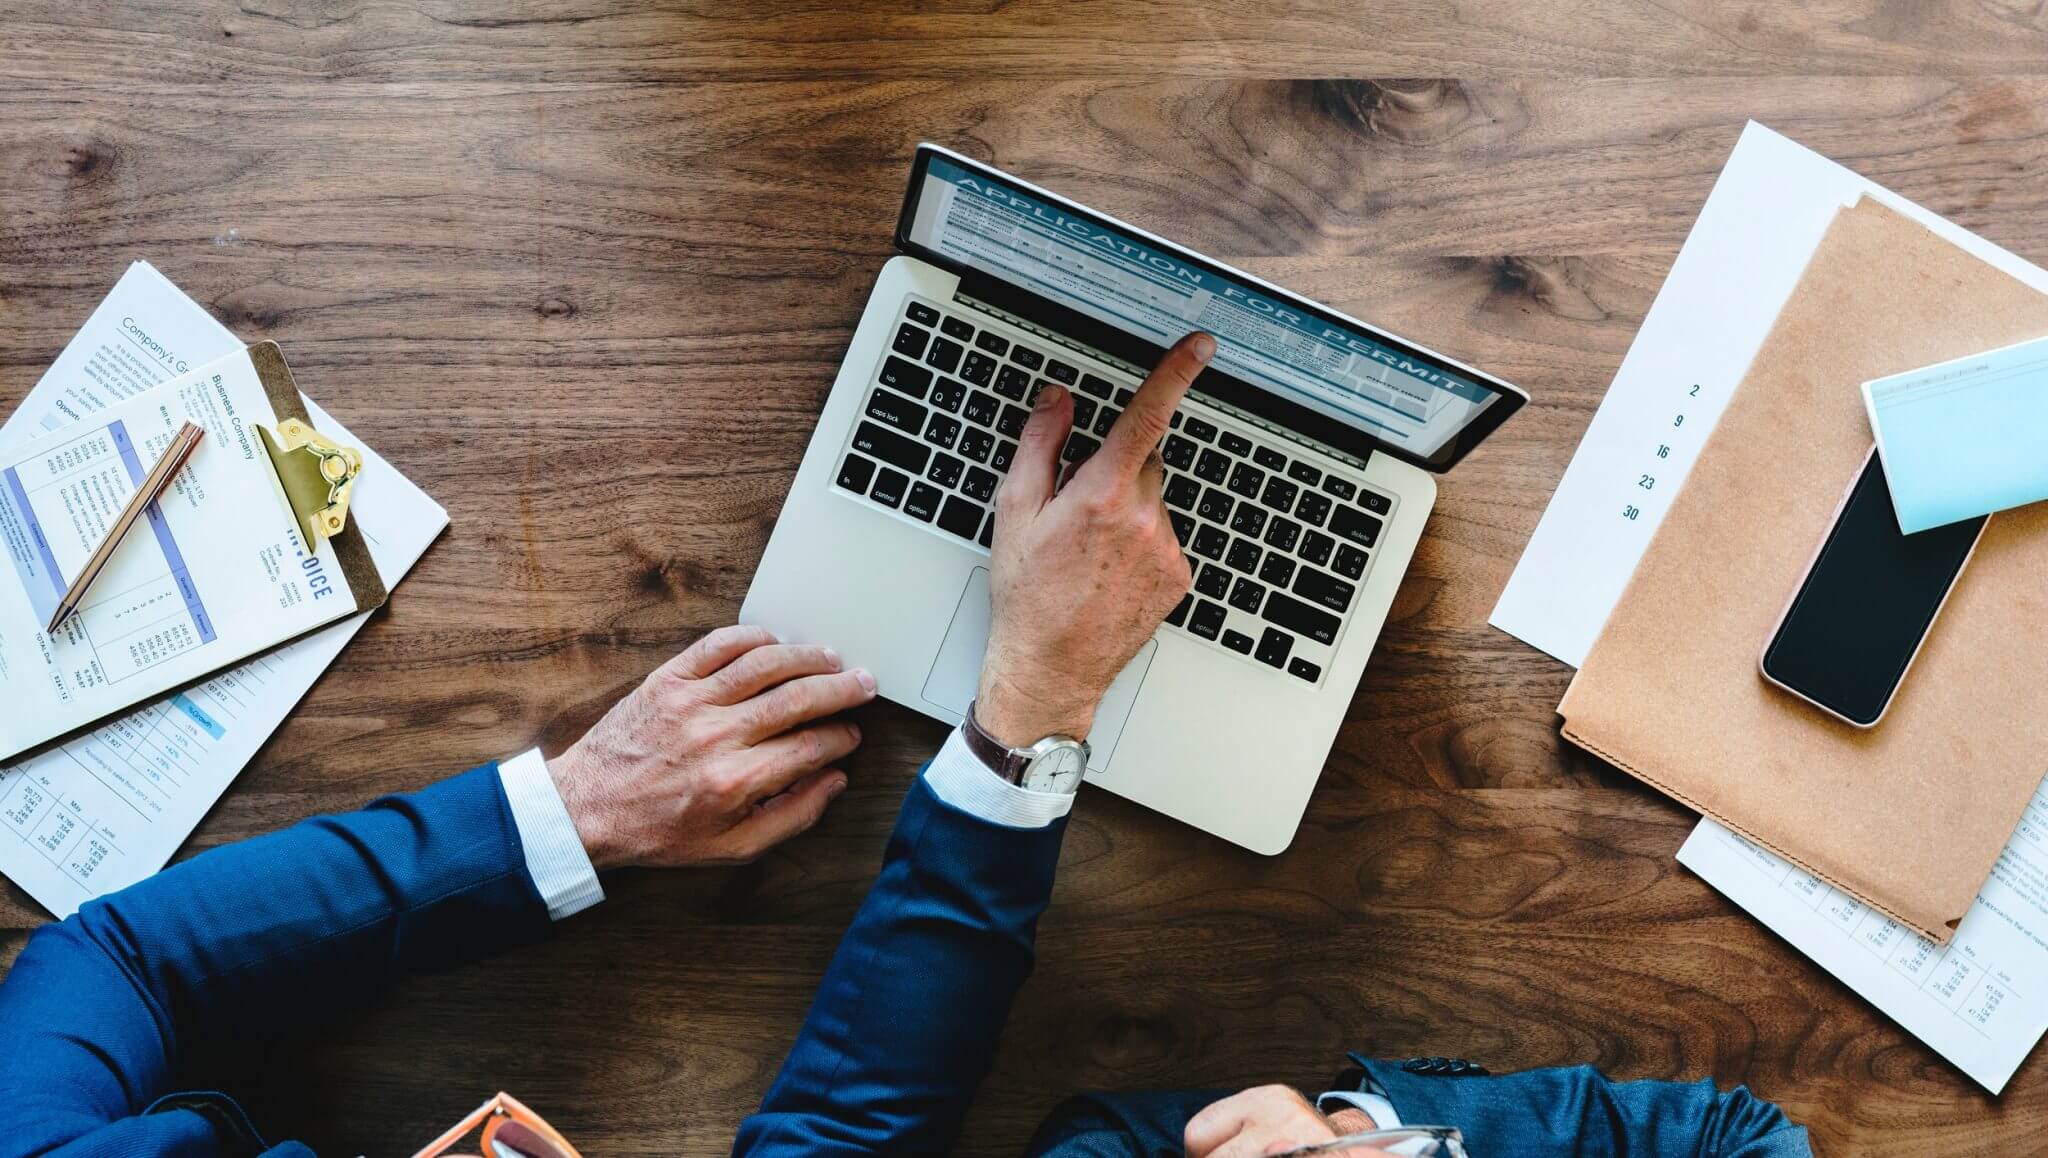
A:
[109, 807]
[1113, 276]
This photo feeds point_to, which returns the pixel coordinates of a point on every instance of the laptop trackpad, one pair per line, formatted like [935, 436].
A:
[956, 674]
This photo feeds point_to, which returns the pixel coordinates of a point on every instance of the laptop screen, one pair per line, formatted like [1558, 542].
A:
[1408, 400]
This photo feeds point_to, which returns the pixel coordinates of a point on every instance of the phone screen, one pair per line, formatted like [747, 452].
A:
[1870, 598]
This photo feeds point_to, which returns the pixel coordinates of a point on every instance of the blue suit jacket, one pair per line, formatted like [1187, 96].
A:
[1573, 1110]
[103, 1012]
[905, 1024]
[905, 1027]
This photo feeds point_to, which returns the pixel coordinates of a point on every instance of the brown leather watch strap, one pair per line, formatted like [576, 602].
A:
[993, 752]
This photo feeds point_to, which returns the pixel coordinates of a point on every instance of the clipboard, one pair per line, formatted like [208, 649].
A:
[224, 579]
[307, 477]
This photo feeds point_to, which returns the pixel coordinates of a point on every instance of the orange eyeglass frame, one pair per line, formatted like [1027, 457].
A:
[493, 1115]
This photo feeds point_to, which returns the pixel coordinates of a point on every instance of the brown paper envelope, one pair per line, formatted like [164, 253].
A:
[1910, 815]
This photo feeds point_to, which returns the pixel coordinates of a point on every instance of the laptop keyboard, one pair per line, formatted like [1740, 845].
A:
[1278, 545]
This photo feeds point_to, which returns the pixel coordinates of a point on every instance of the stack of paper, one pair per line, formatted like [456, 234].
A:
[110, 807]
[1739, 265]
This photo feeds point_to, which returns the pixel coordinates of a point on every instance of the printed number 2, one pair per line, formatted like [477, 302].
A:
[1694, 392]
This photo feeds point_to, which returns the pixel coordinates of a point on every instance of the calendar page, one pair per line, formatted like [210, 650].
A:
[1767, 212]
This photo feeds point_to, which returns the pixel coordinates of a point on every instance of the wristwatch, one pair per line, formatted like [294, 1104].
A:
[1054, 764]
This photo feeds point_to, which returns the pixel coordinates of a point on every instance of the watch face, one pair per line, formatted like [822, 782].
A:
[1057, 770]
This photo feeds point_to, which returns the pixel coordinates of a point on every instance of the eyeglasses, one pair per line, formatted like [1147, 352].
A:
[510, 1131]
[1406, 1142]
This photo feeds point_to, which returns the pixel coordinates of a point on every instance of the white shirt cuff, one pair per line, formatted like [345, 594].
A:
[555, 859]
[960, 779]
[1376, 1107]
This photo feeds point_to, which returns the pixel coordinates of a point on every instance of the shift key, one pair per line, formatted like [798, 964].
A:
[1301, 619]
[891, 447]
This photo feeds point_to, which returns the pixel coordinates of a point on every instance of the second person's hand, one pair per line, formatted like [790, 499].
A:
[1270, 1120]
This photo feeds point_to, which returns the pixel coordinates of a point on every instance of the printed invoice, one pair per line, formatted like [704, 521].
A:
[218, 571]
[109, 807]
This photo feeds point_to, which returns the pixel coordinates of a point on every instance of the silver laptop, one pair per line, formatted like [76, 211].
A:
[1298, 478]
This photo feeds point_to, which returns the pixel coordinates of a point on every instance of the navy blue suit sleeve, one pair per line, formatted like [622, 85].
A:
[1579, 1110]
[100, 1009]
[905, 1024]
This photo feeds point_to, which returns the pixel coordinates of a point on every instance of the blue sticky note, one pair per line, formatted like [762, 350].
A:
[1964, 438]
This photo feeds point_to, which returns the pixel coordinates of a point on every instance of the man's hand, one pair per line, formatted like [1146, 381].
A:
[1083, 574]
[721, 754]
[1267, 1120]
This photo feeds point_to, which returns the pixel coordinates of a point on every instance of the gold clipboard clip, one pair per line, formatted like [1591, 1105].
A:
[317, 475]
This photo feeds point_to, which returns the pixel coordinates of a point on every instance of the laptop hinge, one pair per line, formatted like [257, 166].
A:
[1057, 322]
[1133, 355]
[1359, 458]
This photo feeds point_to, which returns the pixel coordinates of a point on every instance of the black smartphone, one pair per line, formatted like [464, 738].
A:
[1866, 604]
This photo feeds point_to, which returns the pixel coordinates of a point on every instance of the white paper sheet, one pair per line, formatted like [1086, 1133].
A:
[109, 808]
[1767, 212]
[1981, 1000]
[1760, 225]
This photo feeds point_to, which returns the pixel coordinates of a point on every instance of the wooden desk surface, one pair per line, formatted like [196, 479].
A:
[584, 271]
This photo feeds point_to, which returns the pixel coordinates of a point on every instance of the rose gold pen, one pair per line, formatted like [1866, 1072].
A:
[153, 486]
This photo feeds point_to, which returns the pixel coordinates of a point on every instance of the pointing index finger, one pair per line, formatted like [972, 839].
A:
[1144, 422]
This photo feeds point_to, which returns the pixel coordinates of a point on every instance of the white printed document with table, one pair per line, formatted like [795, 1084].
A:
[218, 571]
[105, 808]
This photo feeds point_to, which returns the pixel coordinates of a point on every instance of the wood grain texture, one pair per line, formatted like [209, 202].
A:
[608, 40]
[584, 270]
